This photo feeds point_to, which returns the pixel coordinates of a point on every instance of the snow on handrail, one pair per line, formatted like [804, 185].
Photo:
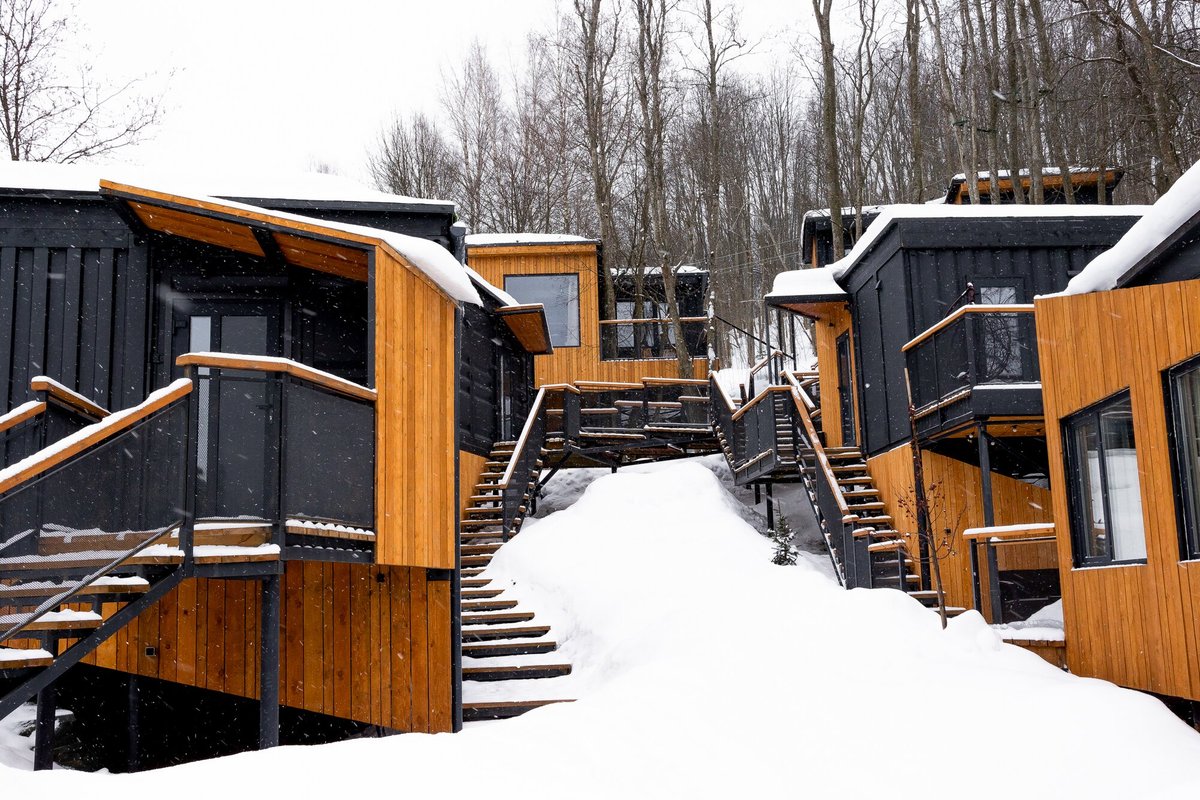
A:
[67, 397]
[20, 414]
[531, 420]
[84, 438]
[1029, 530]
[274, 364]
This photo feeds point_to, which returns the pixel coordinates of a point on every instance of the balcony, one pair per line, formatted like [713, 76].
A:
[647, 339]
[981, 361]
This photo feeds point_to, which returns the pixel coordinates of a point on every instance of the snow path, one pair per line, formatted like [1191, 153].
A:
[702, 670]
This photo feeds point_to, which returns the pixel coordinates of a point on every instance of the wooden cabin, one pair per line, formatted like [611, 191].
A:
[248, 470]
[564, 274]
[1120, 365]
[937, 301]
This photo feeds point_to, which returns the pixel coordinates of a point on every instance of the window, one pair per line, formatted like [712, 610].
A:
[560, 296]
[1105, 492]
[1183, 400]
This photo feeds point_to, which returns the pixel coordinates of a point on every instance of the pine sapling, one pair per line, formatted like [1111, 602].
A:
[785, 554]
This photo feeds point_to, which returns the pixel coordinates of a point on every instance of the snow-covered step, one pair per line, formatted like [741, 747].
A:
[497, 619]
[36, 590]
[16, 658]
[522, 672]
[66, 620]
[508, 648]
[488, 633]
[477, 712]
[488, 605]
[481, 594]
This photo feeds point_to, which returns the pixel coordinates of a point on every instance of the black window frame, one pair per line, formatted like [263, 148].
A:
[1077, 513]
[1188, 529]
[578, 301]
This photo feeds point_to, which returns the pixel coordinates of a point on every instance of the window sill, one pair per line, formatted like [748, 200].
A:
[1113, 565]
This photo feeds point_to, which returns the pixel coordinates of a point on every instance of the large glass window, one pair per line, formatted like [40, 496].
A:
[1001, 337]
[1184, 400]
[559, 294]
[1106, 494]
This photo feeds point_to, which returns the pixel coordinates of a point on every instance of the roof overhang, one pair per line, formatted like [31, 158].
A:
[814, 307]
[528, 324]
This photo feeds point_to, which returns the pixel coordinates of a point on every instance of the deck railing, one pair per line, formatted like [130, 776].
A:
[990, 538]
[76, 511]
[55, 413]
[649, 339]
[975, 345]
[277, 440]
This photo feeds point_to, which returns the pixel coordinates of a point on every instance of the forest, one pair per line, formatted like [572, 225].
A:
[633, 121]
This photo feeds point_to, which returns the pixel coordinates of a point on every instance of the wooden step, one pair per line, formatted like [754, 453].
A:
[476, 561]
[51, 622]
[486, 498]
[475, 583]
[15, 658]
[895, 545]
[41, 591]
[507, 709]
[516, 673]
[860, 493]
[878, 533]
[497, 619]
[476, 524]
[477, 536]
[483, 510]
[481, 594]
[488, 605]
[487, 633]
[867, 506]
[499, 649]
[876, 521]
[848, 468]
[479, 549]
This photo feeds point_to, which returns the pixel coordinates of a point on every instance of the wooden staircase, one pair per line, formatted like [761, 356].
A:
[501, 641]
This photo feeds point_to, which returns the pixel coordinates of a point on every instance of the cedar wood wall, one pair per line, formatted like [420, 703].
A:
[570, 364]
[1136, 625]
[371, 644]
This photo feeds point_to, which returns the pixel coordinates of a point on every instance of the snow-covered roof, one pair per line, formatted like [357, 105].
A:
[253, 184]
[815, 283]
[429, 257]
[1159, 222]
[655, 269]
[951, 212]
[497, 239]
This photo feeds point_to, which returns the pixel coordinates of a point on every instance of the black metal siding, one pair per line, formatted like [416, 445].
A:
[918, 269]
[73, 301]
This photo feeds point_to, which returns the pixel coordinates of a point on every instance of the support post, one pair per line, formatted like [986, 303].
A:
[268, 671]
[770, 505]
[133, 748]
[43, 732]
[989, 519]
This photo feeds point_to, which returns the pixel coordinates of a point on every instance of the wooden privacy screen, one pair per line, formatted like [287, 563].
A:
[1138, 624]
[414, 424]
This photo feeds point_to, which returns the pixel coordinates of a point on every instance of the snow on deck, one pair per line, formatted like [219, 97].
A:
[702, 670]
[1173, 210]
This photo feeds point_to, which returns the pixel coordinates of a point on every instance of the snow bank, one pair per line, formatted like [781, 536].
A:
[1173, 210]
[701, 670]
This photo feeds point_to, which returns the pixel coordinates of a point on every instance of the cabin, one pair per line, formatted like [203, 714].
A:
[1124, 451]
[1088, 187]
[565, 274]
[239, 436]
[927, 402]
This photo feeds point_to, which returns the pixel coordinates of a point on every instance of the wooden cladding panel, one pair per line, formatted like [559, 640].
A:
[956, 502]
[570, 364]
[1136, 625]
[200, 229]
[415, 437]
[335, 259]
[827, 330]
[470, 467]
[371, 644]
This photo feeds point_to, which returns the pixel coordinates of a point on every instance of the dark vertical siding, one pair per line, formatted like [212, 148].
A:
[73, 302]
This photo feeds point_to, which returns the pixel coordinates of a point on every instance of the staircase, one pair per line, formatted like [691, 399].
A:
[501, 640]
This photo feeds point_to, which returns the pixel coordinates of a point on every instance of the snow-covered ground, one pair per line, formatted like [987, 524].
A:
[702, 670]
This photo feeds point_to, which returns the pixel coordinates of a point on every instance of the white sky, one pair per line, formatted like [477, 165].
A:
[279, 86]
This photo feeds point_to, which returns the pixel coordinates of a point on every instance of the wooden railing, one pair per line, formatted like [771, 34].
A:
[990, 538]
[56, 413]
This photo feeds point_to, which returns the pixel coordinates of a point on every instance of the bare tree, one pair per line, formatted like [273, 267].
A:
[413, 159]
[51, 110]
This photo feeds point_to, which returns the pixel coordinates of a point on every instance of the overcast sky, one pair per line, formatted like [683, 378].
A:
[284, 85]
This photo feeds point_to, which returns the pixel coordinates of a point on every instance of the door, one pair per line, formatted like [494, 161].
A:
[237, 437]
[845, 390]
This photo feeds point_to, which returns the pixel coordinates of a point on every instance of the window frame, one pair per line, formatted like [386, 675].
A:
[578, 301]
[1188, 529]
[1075, 498]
